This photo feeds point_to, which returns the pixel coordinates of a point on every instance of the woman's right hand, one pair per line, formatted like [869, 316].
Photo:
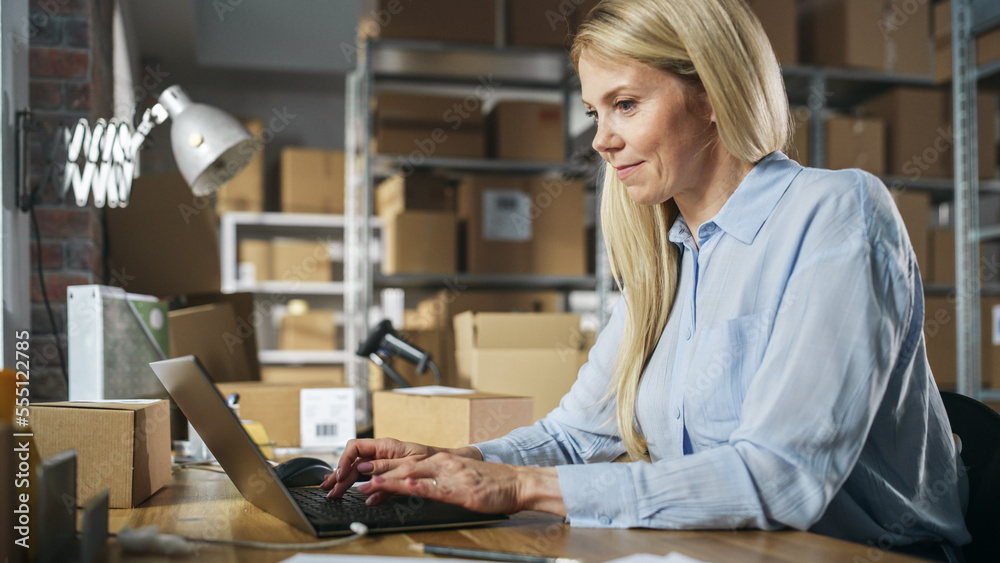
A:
[373, 457]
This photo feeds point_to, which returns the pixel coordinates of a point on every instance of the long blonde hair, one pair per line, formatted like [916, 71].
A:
[720, 46]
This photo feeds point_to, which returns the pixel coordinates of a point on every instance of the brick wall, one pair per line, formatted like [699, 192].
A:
[71, 78]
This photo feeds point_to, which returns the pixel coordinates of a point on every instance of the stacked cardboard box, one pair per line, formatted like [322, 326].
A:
[245, 192]
[421, 126]
[297, 260]
[920, 135]
[854, 142]
[220, 335]
[987, 44]
[254, 260]
[779, 19]
[914, 208]
[942, 350]
[418, 225]
[537, 355]
[435, 313]
[513, 224]
[889, 35]
[309, 330]
[460, 21]
[527, 131]
[302, 375]
[312, 180]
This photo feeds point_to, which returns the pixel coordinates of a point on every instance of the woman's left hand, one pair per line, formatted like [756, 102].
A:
[476, 485]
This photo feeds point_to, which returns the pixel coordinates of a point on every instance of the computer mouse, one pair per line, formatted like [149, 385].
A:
[303, 471]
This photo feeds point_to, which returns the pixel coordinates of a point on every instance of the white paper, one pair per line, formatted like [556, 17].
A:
[318, 558]
[326, 417]
[506, 215]
[672, 557]
[434, 390]
[996, 325]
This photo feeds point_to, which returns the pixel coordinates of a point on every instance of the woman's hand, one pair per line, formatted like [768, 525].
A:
[372, 457]
[471, 483]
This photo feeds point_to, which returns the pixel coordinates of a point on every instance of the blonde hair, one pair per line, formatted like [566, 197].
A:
[720, 46]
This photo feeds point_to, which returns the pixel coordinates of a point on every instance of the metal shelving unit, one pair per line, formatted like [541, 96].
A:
[969, 19]
[236, 226]
[402, 65]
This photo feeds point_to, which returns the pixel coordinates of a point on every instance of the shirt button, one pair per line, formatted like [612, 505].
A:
[677, 412]
[687, 334]
[605, 520]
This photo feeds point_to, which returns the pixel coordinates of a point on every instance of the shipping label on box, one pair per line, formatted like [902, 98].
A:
[276, 406]
[326, 417]
[506, 215]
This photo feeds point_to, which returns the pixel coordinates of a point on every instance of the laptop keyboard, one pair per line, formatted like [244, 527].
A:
[349, 508]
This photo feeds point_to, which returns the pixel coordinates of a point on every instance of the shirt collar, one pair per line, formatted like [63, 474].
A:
[751, 204]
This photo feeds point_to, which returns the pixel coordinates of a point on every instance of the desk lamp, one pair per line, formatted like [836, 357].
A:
[210, 148]
[383, 343]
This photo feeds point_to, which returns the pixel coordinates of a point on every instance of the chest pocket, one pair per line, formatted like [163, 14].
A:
[723, 365]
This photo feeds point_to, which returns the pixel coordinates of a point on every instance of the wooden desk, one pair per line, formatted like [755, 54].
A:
[202, 504]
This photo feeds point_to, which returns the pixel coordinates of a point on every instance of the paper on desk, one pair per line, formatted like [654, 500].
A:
[318, 558]
[434, 390]
[672, 557]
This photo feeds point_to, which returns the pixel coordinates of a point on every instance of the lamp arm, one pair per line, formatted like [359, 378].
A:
[150, 118]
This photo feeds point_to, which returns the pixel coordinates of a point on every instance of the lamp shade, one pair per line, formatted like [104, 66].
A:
[210, 146]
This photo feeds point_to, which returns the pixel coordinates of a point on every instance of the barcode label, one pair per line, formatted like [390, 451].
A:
[326, 417]
[326, 429]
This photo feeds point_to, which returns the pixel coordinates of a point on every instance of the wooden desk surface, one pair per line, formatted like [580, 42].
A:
[203, 504]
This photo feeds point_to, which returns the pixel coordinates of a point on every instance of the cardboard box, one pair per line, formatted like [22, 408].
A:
[920, 136]
[523, 225]
[255, 260]
[425, 126]
[540, 23]
[942, 255]
[276, 406]
[415, 192]
[303, 375]
[889, 35]
[987, 44]
[460, 21]
[312, 180]
[122, 447]
[225, 343]
[245, 192]
[940, 339]
[447, 420]
[527, 131]
[416, 242]
[854, 142]
[990, 319]
[436, 312]
[312, 330]
[780, 21]
[914, 208]
[165, 242]
[297, 260]
[536, 355]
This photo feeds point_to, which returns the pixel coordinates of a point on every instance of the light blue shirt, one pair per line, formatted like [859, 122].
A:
[794, 357]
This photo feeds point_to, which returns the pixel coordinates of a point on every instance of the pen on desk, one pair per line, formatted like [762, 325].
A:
[487, 554]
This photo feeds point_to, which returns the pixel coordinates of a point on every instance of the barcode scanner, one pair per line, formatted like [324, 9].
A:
[383, 343]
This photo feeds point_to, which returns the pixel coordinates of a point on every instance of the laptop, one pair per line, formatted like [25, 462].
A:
[306, 508]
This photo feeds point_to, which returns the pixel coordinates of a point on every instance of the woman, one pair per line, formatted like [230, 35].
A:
[766, 366]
